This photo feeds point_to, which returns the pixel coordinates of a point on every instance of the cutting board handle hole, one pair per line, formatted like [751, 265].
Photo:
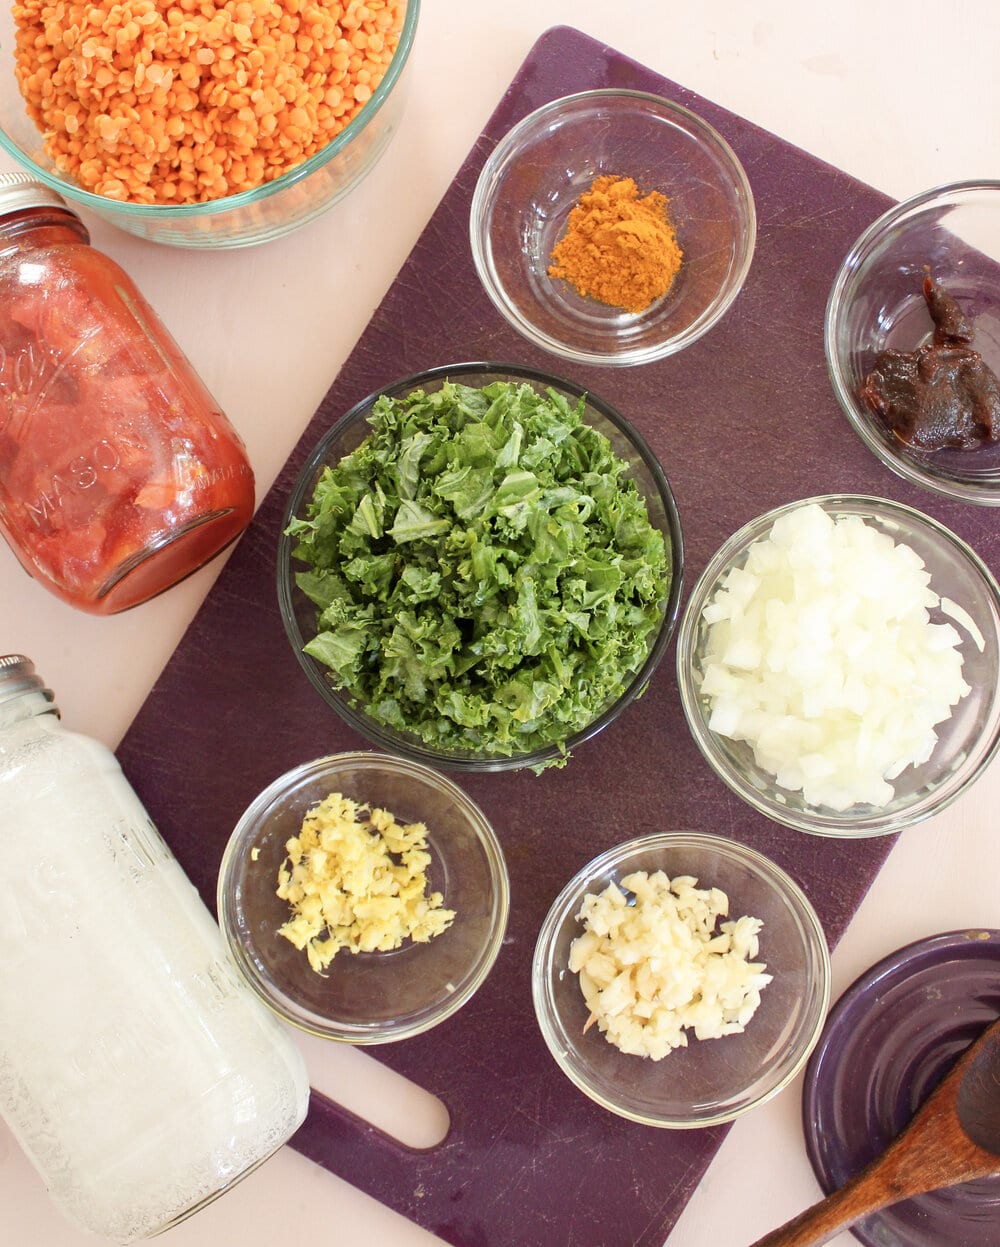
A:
[387, 1100]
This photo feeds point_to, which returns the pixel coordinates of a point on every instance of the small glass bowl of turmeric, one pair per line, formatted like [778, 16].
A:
[612, 227]
[204, 127]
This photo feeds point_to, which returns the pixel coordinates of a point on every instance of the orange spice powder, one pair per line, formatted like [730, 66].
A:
[619, 248]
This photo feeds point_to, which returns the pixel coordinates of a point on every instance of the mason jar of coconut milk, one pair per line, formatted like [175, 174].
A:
[139, 1074]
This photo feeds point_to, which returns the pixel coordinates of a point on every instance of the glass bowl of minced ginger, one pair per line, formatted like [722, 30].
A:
[207, 128]
[363, 897]
[612, 227]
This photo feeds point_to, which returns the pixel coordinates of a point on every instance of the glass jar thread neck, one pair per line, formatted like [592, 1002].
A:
[19, 682]
[29, 227]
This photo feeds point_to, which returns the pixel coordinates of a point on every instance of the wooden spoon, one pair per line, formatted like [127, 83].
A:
[954, 1137]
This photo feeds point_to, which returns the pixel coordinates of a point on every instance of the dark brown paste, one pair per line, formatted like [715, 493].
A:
[942, 394]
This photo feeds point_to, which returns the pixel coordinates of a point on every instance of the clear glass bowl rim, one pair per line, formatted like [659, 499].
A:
[836, 306]
[507, 148]
[405, 1026]
[841, 826]
[101, 205]
[373, 731]
[738, 853]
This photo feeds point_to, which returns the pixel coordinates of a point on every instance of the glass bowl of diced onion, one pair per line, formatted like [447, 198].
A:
[691, 986]
[360, 926]
[838, 665]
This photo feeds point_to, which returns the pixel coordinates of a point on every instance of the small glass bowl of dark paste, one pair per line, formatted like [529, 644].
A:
[913, 340]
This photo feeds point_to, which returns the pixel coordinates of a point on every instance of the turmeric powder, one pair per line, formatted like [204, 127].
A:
[618, 248]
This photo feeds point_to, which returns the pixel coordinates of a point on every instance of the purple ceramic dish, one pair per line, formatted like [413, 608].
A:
[888, 1041]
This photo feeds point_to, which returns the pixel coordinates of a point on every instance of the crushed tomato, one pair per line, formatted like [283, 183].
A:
[118, 473]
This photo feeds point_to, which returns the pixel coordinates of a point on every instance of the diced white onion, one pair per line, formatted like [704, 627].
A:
[821, 655]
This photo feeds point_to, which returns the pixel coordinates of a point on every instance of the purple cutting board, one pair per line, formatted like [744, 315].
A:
[742, 421]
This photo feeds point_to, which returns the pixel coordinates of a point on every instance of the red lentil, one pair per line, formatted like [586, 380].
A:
[183, 101]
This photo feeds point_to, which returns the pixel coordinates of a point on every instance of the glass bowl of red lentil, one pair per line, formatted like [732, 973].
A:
[631, 179]
[238, 106]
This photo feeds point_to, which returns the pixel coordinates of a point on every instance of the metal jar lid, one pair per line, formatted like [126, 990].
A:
[21, 190]
[17, 676]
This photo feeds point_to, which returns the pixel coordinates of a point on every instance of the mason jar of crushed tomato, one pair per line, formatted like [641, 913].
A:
[119, 475]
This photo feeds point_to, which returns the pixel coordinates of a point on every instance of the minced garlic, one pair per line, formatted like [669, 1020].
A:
[357, 879]
[655, 968]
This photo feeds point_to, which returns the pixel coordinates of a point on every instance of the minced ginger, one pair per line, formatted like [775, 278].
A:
[355, 878]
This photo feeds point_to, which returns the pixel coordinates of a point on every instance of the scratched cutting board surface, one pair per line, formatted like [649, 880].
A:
[742, 421]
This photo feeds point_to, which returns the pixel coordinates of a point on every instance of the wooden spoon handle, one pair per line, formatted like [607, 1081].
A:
[864, 1194]
[934, 1151]
[822, 1221]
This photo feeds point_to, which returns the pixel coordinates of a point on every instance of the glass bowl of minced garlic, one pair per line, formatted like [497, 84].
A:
[681, 979]
[363, 897]
[612, 227]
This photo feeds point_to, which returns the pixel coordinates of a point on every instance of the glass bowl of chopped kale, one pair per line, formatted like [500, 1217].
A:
[480, 567]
